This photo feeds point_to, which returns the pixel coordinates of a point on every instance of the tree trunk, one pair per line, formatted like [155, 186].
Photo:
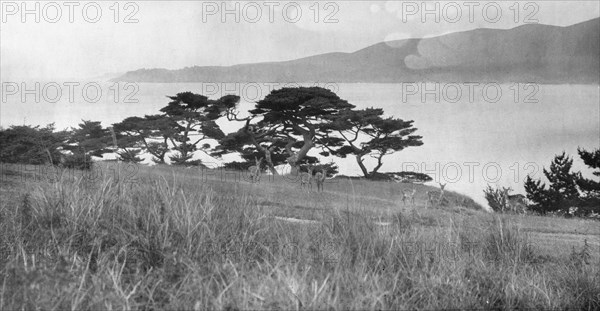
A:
[263, 150]
[164, 151]
[267, 154]
[183, 148]
[308, 137]
[362, 165]
[269, 162]
[379, 164]
[295, 157]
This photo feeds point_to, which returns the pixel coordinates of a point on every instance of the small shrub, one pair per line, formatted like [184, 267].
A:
[78, 161]
[496, 198]
[581, 258]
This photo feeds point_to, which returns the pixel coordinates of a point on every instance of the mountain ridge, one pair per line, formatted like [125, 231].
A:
[527, 53]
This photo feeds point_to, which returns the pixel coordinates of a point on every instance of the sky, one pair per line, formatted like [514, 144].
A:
[90, 39]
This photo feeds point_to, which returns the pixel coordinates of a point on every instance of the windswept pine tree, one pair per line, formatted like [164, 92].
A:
[300, 114]
[89, 139]
[290, 122]
[194, 118]
[285, 126]
[367, 133]
[150, 133]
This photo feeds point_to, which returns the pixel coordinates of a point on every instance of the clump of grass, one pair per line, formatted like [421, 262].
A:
[505, 242]
[25, 213]
[402, 221]
[170, 242]
[581, 258]
[581, 286]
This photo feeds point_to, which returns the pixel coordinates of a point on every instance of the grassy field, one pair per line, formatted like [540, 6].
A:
[175, 238]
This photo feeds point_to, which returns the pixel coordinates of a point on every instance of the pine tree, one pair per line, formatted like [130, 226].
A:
[590, 200]
[562, 192]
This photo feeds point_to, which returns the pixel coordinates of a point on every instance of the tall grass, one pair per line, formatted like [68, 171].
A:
[168, 243]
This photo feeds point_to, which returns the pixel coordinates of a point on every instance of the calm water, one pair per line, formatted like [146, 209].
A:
[470, 139]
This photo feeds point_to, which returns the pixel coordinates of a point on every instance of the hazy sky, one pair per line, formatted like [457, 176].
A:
[177, 34]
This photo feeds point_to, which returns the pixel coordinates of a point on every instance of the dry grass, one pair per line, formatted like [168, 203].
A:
[176, 239]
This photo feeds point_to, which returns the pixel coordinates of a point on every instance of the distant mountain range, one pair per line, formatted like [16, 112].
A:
[528, 53]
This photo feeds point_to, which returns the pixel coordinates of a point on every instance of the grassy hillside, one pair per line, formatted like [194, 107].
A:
[176, 238]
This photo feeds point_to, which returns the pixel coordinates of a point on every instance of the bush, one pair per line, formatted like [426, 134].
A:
[496, 198]
[78, 161]
[237, 166]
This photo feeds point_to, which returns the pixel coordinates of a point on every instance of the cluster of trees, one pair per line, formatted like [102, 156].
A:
[70, 148]
[282, 128]
[290, 122]
[567, 192]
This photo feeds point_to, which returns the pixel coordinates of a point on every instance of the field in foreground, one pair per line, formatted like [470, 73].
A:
[175, 238]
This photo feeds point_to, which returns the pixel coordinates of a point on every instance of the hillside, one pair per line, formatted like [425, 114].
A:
[171, 238]
[540, 53]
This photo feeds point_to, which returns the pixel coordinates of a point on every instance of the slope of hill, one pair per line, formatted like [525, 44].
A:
[175, 239]
[540, 53]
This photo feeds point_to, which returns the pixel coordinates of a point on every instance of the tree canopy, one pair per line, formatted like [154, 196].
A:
[566, 189]
[298, 114]
[283, 128]
[367, 132]
[194, 118]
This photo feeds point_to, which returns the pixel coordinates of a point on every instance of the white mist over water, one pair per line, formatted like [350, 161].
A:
[469, 141]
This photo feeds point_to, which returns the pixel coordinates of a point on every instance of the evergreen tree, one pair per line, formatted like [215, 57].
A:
[89, 139]
[566, 189]
[562, 192]
[150, 134]
[590, 200]
[194, 117]
[32, 145]
[366, 132]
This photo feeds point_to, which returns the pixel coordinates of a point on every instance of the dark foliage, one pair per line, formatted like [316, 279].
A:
[367, 133]
[32, 145]
[568, 192]
[193, 117]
